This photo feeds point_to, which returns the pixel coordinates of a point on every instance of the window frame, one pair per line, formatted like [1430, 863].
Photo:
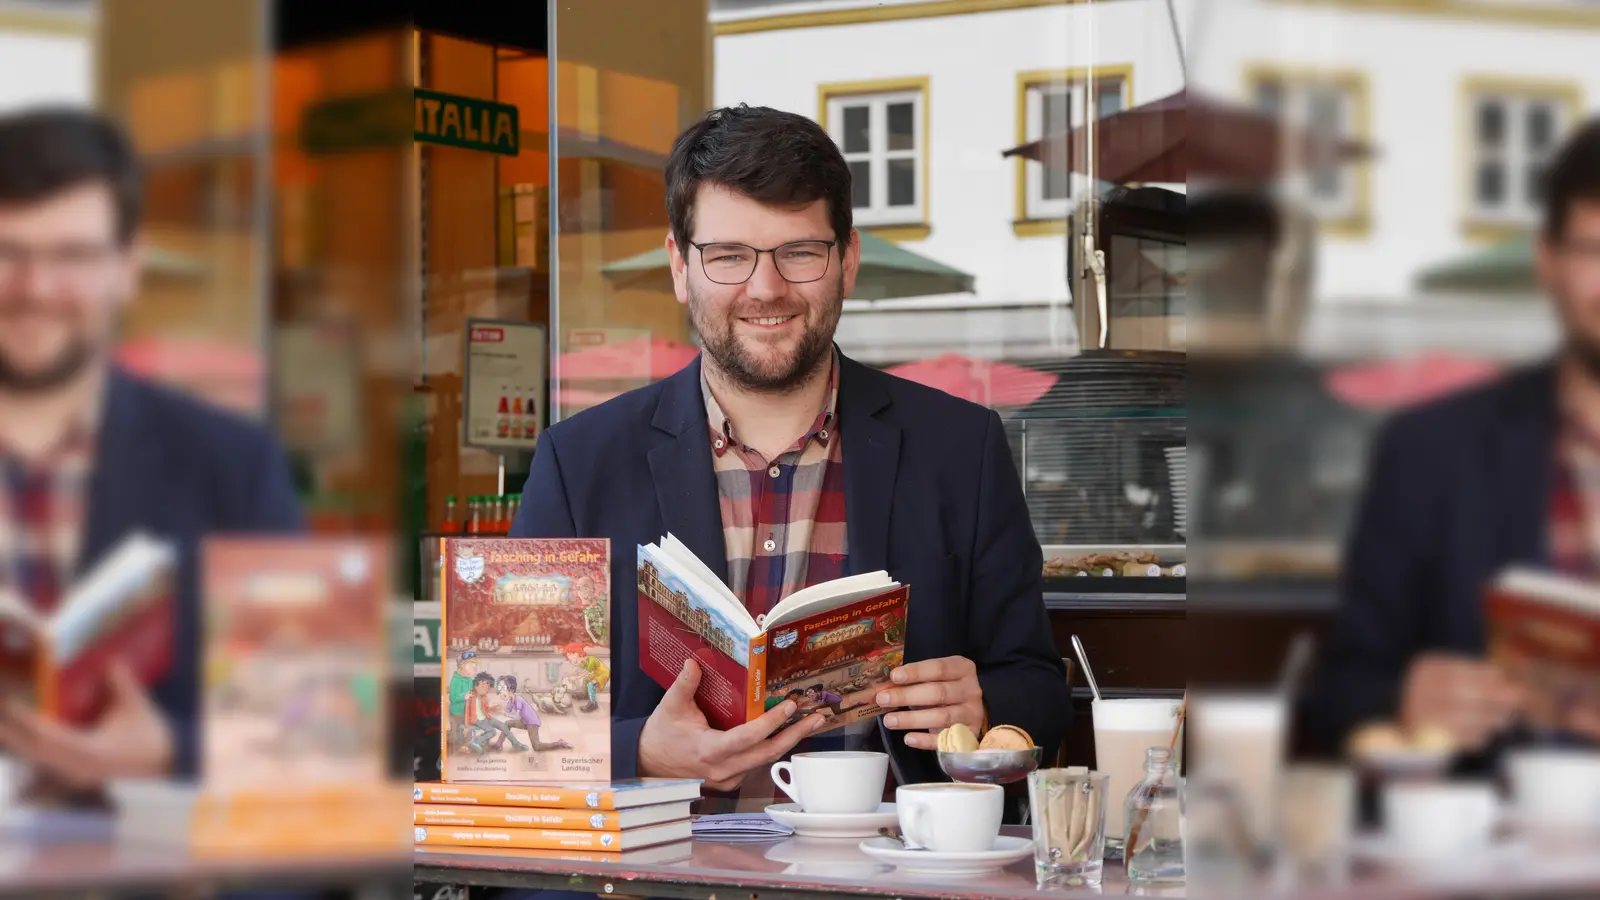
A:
[893, 223]
[1567, 97]
[1351, 217]
[1034, 214]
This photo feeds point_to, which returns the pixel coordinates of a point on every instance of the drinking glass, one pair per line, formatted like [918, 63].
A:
[1068, 812]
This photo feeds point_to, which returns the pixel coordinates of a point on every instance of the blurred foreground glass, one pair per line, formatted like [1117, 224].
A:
[1239, 739]
[1317, 818]
[1068, 811]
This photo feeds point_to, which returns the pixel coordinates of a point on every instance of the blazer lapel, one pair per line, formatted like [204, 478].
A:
[871, 459]
[686, 486]
[1521, 466]
[125, 487]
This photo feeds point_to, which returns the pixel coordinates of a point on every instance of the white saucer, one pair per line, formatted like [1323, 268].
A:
[834, 825]
[1007, 850]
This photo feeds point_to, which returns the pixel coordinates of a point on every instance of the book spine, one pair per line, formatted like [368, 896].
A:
[516, 795]
[755, 690]
[513, 817]
[520, 838]
[443, 550]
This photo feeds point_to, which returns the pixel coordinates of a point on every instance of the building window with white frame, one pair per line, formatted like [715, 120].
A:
[883, 140]
[1328, 109]
[1054, 107]
[1512, 137]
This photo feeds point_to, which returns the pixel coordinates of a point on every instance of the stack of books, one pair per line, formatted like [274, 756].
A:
[611, 818]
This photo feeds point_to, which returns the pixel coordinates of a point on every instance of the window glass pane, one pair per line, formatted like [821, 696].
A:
[1491, 123]
[1110, 92]
[1326, 182]
[1055, 110]
[1533, 184]
[900, 129]
[1325, 110]
[1269, 96]
[902, 182]
[861, 184]
[1054, 183]
[1491, 183]
[856, 128]
[1540, 126]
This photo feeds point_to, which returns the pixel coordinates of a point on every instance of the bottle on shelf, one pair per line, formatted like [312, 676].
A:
[475, 515]
[452, 516]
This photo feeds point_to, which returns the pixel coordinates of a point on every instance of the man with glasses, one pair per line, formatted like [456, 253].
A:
[782, 463]
[90, 454]
[1460, 489]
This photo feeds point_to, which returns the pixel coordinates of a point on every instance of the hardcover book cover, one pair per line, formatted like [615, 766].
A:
[526, 667]
[830, 647]
[57, 662]
[296, 662]
[1544, 632]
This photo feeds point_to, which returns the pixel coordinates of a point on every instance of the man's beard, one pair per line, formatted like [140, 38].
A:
[720, 342]
[65, 369]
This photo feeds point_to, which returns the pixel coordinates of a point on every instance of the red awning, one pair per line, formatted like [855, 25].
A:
[1390, 384]
[645, 359]
[979, 380]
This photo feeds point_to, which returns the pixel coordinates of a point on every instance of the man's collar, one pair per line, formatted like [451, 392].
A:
[822, 428]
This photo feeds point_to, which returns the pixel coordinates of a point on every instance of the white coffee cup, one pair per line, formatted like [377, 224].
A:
[950, 818]
[1441, 820]
[833, 782]
[1555, 786]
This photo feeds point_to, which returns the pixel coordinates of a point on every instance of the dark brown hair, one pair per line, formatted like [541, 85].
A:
[768, 155]
[1573, 175]
[47, 150]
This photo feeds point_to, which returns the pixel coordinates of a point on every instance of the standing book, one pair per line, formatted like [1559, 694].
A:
[1544, 632]
[526, 667]
[830, 646]
[58, 662]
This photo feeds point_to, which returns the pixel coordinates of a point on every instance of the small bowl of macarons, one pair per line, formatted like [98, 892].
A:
[1387, 750]
[1005, 754]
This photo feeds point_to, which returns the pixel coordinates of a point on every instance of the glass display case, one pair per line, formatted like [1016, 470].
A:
[1103, 462]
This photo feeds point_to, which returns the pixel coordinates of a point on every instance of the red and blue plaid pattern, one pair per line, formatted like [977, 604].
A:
[1575, 501]
[783, 520]
[42, 517]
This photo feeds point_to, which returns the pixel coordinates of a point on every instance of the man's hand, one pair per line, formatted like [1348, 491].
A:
[938, 693]
[131, 740]
[1469, 698]
[678, 742]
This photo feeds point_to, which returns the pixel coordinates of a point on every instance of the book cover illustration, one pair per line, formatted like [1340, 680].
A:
[830, 647]
[525, 627]
[58, 661]
[1544, 633]
[296, 661]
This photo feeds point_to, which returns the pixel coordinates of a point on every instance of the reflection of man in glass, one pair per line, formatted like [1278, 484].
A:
[91, 454]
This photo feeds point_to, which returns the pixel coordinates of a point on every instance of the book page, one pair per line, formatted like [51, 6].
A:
[123, 580]
[712, 591]
[825, 596]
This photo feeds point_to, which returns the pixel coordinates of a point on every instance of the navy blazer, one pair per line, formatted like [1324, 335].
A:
[1457, 490]
[180, 470]
[931, 495]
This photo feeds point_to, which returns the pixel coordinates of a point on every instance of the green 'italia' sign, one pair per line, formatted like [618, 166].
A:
[466, 122]
[394, 117]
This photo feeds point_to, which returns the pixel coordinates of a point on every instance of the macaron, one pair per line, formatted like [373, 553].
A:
[958, 738]
[1006, 737]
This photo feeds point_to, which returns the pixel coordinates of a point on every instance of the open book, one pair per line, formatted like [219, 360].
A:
[58, 662]
[1544, 632]
[830, 646]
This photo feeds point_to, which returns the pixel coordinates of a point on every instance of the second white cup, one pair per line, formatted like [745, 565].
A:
[834, 782]
[950, 818]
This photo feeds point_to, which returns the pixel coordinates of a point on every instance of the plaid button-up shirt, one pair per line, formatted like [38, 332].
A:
[783, 520]
[1575, 501]
[43, 512]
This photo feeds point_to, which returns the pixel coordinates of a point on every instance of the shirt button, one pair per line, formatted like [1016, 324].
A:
[770, 545]
[719, 444]
[773, 471]
[823, 434]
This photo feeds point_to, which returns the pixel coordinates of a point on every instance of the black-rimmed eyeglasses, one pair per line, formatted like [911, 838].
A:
[797, 261]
